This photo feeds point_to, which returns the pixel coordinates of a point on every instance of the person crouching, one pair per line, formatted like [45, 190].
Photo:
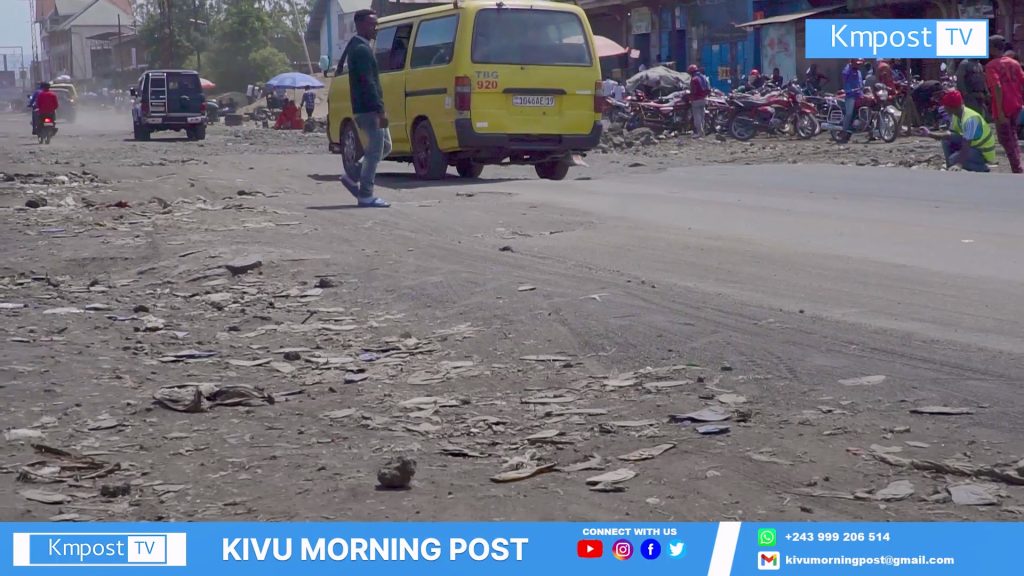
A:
[970, 143]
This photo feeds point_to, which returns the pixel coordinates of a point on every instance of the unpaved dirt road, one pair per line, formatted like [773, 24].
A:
[501, 326]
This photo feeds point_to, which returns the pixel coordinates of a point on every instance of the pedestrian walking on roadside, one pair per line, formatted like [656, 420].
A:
[1005, 80]
[699, 91]
[309, 101]
[368, 107]
[969, 144]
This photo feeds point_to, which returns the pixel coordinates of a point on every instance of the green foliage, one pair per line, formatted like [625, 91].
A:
[268, 62]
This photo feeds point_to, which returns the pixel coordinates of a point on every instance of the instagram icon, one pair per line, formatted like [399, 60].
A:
[622, 549]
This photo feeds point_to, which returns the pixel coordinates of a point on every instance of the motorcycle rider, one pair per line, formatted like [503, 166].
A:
[46, 104]
[755, 80]
[814, 80]
[853, 88]
[32, 106]
[884, 75]
[699, 90]
[970, 142]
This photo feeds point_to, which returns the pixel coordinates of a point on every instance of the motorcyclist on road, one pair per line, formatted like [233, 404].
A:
[46, 104]
[32, 104]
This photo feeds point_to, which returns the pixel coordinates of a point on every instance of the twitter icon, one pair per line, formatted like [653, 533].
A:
[676, 549]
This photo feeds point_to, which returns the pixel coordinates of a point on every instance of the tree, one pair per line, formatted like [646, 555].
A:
[268, 62]
[173, 32]
[243, 31]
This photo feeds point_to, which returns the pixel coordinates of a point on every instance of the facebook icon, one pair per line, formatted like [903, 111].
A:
[650, 549]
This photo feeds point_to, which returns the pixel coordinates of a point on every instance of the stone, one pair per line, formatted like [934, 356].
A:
[244, 264]
[396, 473]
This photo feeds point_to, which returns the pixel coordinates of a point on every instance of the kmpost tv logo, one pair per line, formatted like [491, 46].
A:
[891, 38]
[98, 549]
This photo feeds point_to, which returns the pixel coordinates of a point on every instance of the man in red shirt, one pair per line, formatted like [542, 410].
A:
[1005, 80]
[46, 103]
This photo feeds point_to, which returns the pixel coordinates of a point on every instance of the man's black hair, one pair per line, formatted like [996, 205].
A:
[362, 15]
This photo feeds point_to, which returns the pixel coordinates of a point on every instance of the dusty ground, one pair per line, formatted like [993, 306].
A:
[463, 328]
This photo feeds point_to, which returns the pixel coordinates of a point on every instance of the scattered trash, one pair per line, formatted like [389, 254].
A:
[898, 490]
[368, 357]
[355, 377]
[339, 414]
[705, 415]
[974, 494]
[34, 203]
[283, 367]
[115, 490]
[632, 423]
[543, 436]
[863, 381]
[103, 424]
[22, 434]
[250, 363]
[885, 449]
[613, 477]
[506, 249]
[941, 411]
[460, 452]
[595, 462]
[64, 310]
[545, 358]
[187, 355]
[953, 468]
[45, 497]
[647, 453]
[292, 356]
[190, 397]
[396, 473]
[915, 444]
[731, 399]
[760, 457]
[526, 288]
[243, 264]
[607, 487]
[522, 467]
[559, 396]
[713, 429]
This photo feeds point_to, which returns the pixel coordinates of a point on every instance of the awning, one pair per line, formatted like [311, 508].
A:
[854, 5]
[790, 17]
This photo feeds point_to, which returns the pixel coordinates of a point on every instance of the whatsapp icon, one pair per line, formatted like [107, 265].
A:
[766, 536]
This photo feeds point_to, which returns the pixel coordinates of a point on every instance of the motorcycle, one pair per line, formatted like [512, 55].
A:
[873, 114]
[47, 128]
[671, 113]
[781, 111]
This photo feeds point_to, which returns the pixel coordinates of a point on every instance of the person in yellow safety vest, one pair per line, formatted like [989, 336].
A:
[970, 144]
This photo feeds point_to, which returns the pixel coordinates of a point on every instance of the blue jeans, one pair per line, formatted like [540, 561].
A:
[958, 153]
[378, 146]
[849, 109]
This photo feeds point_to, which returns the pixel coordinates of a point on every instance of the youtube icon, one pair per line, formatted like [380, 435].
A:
[589, 549]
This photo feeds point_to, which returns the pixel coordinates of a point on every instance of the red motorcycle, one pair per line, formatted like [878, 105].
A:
[874, 114]
[670, 113]
[783, 111]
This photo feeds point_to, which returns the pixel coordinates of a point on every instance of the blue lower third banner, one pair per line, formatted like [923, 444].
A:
[451, 549]
[893, 38]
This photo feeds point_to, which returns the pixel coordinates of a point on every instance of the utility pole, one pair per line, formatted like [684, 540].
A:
[302, 36]
[168, 44]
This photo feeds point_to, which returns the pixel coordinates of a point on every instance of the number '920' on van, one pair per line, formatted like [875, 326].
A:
[476, 83]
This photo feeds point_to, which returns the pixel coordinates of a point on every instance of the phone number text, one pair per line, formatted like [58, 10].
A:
[838, 537]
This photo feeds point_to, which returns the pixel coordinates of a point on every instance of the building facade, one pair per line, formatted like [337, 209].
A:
[67, 34]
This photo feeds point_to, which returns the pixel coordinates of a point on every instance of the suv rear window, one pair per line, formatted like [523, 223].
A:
[183, 83]
[548, 38]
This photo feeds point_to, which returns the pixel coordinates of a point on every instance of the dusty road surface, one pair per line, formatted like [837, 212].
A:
[726, 341]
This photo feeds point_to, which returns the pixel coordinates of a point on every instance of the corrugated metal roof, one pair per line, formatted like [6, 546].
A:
[782, 19]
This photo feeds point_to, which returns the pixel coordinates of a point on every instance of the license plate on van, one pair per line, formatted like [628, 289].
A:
[534, 101]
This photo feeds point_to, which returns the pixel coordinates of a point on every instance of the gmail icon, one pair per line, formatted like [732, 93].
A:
[769, 561]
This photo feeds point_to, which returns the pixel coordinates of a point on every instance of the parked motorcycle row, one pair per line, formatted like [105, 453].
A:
[791, 110]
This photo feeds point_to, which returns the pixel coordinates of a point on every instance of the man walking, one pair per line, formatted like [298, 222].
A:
[1005, 81]
[699, 91]
[309, 100]
[368, 106]
[970, 81]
